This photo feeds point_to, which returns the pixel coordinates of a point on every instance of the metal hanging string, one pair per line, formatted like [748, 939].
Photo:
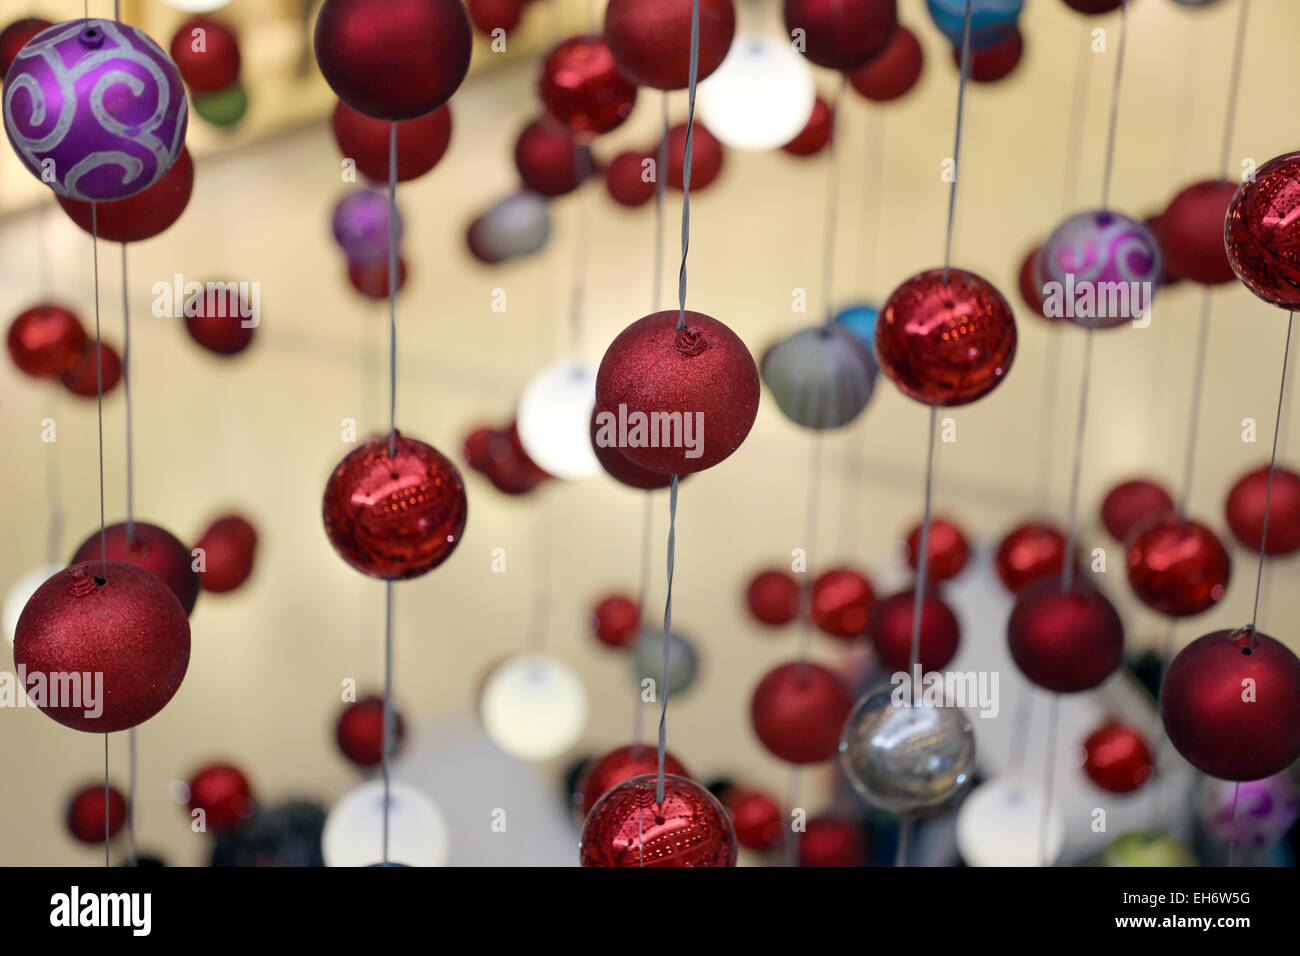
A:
[661, 164]
[832, 204]
[956, 147]
[1272, 468]
[99, 391]
[643, 594]
[126, 393]
[1114, 107]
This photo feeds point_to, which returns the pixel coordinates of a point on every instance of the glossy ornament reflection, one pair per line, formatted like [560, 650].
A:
[583, 89]
[630, 827]
[1179, 568]
[1262, 232]
[1116, 758]
[620, 765]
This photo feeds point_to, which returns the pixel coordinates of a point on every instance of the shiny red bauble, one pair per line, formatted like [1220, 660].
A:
[707, 157]
[946, 342]
[829, 841]
[224, 795]
[841, 602]
[1192, 232]
[947, 550]
[651, 42]
[1116, 758]
[1262, 232]
[626, 181]
[550, 161]
[1246, 505]
[581, 87]
[890, 630]
[1065, 641]
[207, 54]
[89, 816]
[150, 548]
[621, 469]
[421, 142]
[702, 371]
[629, 826]
[773, 597]
[616, 621]
[816, 134]
[228, 547]
[842, 34]
[893, 71]
[1029, 553]
[394, 516]
[142, 216]
[114, 620]
[16, 36]
[488, 16]
[393, 59]
[220, 320]
[360, 732]
[1130, 504]
[46, 341]
[994, 62]
[371, 278]
[1027, 281]
[1178, 568]
[798, 712]
[756, 817]
[620, 765]
[97, 367]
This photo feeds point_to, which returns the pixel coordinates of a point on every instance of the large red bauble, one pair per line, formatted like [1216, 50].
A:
[829, 841]
[1027, 281]
[86, 376]
[214, 66]
[842, 34]
[421, 142]
[46, 341]
[1230, 703]
[1262, 232]
[130, 628]
[815, 135]
[628, 826]
[228, 547]
[581, 87]
[621, 469]
[1178, 568]
[1130, 504]
[1065, 641]
[1116, 758]
[890, 630]
[617, 621]
[620, 765]
[707, 156]
[946, 343]
[891, 72]
[703, 371]
[1245, 510]
[89, 816]
[16, 36]
[360, 731]
[1029, 553]
[150, 548]
[625, 179]
[841, 602]
[773, 597]
[219, 323]
[946, 551]
[142, 216]
[651, 39]
[798, 712]
[550, 161]
[394, 517]
[756, 817]
[224, 795]
[1192, 232]
[994, 62]
[490, 15]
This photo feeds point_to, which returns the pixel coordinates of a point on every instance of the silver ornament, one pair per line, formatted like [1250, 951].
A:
[517, 225]
[648, 660]
[821, 377]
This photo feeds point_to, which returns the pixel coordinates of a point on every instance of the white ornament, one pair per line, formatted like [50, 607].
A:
[554, 420]
[534, 706]
[762, 95]
[354, 829]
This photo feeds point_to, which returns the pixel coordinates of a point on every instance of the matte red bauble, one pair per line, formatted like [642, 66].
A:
[890, 630]
[828, 841]
[629, 826]
[1094, 6]
[707, 157]
[1130, 504]
[625, 179]
[490, 15]
[651, 42]
[620, 765]
[222, 322]
[393, 59]
[142, 216]
[150, 548]
[842, 34]
[509, 468]
[1262, 232]
[1246, 504]
[893, 71]
[621, 469]
[617, 621]
[947, 550]
[703, 373]
[1156, 226]
[756, 817]
[360, 731]
[224, 795]
[773, 597]
[798, 711]
[1030, 293]
[1116, 758]
[477, 447]
[1230, 703]
[130, 629]
[207, 54]
[1065, 641]
[1029, 553]
[16, 36]
[994, 62]
[371, 278]
[421, 142]
[946, 342]
[581, 87]
[815, 135]
[394, 517]
[841, 602]
[85, 376]
[550, 161]
[46, 341]
[1178, 568]
[228, 546]
[89, 816]
[1192, 232]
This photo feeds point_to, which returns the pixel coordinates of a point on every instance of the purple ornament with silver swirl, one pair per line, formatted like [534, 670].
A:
[1266, 809]
[361, 227]
[95, 109]
[1099, 270]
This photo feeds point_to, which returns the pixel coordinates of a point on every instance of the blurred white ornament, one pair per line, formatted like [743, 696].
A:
[533, 706]
[354, 829]
[554, 420]
[21, 592]
[197, 6]
[762, 95]
[1000, 824]
[517, 225]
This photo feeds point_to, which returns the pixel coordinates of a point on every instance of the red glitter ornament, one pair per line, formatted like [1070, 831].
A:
[625, 179]
[828, 841]
[550, 161]
[87, 812]
[421, 142]
[773, 597]
[947, 550]
[1065, 641]
[224, 795]
[756, 817]
[798, 711]
[206, 52]
[220, 319]
[1192, 232]
[1178, 568]
[890, 630]
[617, 621]
[620, 765]
[815, 135]
[228, 547]
[1029, 553]
[1130, 504]
[393, 59]
[651, 42]
[893, 71]
[371, 279]
[842, 34]
[703, 371]
[487, 16]
[1262, 233]
[1245, 510]
[946, 343]
[360, 731]
[16, 36]
[150, 548]
[46, 341]
[707, 156]
[130, 628]
[1028, 283]
[994, 62]
[142, 216]
[621, 469]
[85, 376]
[1116, 758]
[581, 87]
[394, 517]
[629, 827]
[841, 602]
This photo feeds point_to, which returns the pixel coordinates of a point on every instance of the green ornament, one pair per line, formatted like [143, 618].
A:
[223, 108]
[1146, 848]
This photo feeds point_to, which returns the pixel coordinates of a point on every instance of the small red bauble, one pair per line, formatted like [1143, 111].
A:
[891, 72]
[360, 731]
[85, 376]
[1130, 504]
[756, 817]
[509, 468]
[371, 278]
[207, 54]
[1094, 6]
[621, 469]
[394, 517]
[150, 548]
[651, 42]
[994, 62]
[393, 59]
[707, 157]
[142, 216]
[490, 15]
[550, 161]
[617, 621]
[89, 816]
[130, 629]
[946, 342]
[828, 841]
[625, 179]
[1178, 568]
[841, 602]
[478, 447]
[620, 765]
[815, 135]
[421, 142]
[46, 341]
[773, 597]
[220, 319]
[1156, 226]
[1245, 510]
[702, 373]
[228, 548]
[1116, 758]
[798, 712]
[890, 630]
[1029, 553]
[16, 36]
[1192, 232]
[842, 34]
[1065, 641]
[224, 795]
[581, 87]
[629, 826]
[1262, 233]
[1028, 283]
[946, 550]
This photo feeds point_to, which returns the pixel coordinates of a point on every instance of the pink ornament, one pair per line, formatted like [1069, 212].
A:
[1099, 270]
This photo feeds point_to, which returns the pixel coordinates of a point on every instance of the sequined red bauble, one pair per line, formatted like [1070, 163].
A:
[224, 795]
[994, 62]
[394, 517]
[1029, 553]
[360, 731]
[1262, 232]
[842, 34]
[1245, 510]
[893, 71]
[581, 88]
[1178, 568]
[890, 630]
[550, 161]
[87, 811]
[617, 621]
[625, 179]
[371, 278]
[946, 343]
[756, 817]
[620, 765]
[841, 602]
[831, 842]
[1192, 232]
[16, 36]
[1116, 758]
[947, 550]
[421, 142]
[228, 546]
[490, 15]
[703, 371]
[707, 157]
[798, 711]
[214, 65]
[142, 216]
[46, 341]
[1130, 504]
[651, 42]
[1065, 641]
[618, 467]
[773, 597]
[630, 827]
[1030, 293]
[151, 548]
[815, 135]
[131, 629]
[85, 376]
[220, 319]
[393, 59]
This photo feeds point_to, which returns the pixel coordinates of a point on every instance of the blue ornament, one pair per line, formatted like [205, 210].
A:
[861, 321]
[990, 20]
